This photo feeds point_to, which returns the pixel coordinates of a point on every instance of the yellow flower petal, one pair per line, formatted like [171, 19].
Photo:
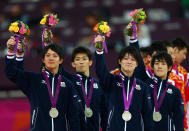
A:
[10, 29]
[16, 29]
[45, 16]
[43, 21]
[14, 24]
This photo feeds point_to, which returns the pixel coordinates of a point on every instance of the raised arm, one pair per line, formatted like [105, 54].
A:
[101, 70]
[14, 68]
[140, 71]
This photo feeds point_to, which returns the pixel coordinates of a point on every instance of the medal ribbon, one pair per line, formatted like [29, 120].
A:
[134, 28]
[176, 68]
[158, 104]
[87, 100]
[45, 28]
[53, 100]
[150, 72]
[17, 38]
[127, 103]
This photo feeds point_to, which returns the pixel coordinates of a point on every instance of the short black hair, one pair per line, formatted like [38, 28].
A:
[180, 44]
[157, 46]
[131, 50]
[146, 51]
[54, 47]
[167, 43]
[83, 50]
[162, 56]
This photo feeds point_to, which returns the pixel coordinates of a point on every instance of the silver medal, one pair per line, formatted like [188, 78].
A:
[126, 116]
[88, 112]
[53, 112]
[157, 116]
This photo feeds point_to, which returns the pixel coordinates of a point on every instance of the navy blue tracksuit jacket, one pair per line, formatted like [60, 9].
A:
[97, 105]
[172, 108]
[35, 88]
[140, 107]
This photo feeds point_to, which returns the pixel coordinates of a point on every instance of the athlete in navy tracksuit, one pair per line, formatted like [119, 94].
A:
[34, 87]
[97, 103]
[81, 56]
[172, 108]
[140, 107]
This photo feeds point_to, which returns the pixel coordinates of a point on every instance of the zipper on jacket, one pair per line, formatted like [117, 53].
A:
[159, 92]
[125, 128]
[52, 120]
[86, 94]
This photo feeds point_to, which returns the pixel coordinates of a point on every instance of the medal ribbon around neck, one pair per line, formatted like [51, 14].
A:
[53, 100]
[158, 104]
[87, 100]
[127, 103]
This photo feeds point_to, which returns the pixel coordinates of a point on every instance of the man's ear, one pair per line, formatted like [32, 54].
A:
[175, 50]
[119, 62]
[61, 61]
[73, 64]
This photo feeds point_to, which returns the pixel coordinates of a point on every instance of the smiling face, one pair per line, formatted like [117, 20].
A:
[161, 69]
[82, 63]
[52, 60]
[128, 64]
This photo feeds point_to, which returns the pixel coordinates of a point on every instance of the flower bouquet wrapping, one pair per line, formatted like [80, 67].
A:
[48, 21]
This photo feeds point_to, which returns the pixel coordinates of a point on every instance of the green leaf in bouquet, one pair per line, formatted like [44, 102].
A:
[99, 45]
[11, 47]
[128, 31]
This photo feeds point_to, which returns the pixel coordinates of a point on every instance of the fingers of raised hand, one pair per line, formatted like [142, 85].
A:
[99, 38]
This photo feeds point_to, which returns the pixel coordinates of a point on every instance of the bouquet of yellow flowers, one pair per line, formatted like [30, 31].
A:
[138, 16]
[48, 20]
[20, 31]
[103, 30]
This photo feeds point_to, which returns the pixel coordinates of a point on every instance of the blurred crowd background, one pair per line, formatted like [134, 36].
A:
[166, 20]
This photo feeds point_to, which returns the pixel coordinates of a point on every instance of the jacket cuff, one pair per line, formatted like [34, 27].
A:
[99, 52]
[19, 57]
[10, 55]
[133, 39]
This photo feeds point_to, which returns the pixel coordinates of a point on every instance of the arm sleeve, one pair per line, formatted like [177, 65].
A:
[14, 72]
[102, 72]
[178, 112]
[140, 71]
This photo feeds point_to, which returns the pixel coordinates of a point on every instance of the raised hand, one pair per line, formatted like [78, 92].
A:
[47, 33]
[19, 48]
[129, 29]
[99, 39]
[11, 44]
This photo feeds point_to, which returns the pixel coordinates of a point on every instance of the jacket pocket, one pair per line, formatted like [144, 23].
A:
[34, 118]
[110, 118]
